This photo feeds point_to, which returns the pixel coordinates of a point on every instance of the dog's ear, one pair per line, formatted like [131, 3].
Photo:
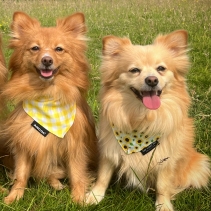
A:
[113, 45]
[21, 24]
[175, 41]
[74, 24]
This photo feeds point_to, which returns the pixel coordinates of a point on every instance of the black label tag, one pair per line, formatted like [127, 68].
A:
[149, 148]
[40, 128]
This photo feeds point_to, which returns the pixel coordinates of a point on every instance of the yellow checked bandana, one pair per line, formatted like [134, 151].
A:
[135, 141]
[55, 117]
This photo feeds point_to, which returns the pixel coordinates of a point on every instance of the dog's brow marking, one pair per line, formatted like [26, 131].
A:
[46, 54]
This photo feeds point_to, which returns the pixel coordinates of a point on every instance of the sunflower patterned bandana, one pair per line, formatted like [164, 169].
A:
[135, 141]
[55, 117]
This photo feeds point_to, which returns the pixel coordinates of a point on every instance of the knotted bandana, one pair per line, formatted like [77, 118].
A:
[54, 116]
[135, 141]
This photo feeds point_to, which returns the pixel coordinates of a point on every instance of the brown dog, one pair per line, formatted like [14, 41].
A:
[3, 70]
[51, 131]
[4, 153]
[144, 125]
[3, 73]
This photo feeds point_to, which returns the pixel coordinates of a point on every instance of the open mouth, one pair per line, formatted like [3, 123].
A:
[47, 73]
[150, 99]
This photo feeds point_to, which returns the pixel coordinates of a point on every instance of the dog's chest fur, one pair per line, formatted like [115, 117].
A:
[137, 167]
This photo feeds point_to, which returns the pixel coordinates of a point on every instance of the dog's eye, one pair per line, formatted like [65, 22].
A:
[35, 48]
[58, 49]
[160, 68]
[135, 70]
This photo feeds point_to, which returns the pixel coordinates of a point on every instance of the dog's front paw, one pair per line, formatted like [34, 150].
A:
[93, 198]
[13, 196]
[164, 207]
[57, 185]
[8, 200]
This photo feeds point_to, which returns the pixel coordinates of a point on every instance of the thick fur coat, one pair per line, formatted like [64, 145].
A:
[3, 73]
[144, 89]
[4, 153]
[49, 61]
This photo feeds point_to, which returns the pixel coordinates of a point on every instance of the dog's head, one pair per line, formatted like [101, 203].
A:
[146, 72]
[46, 52]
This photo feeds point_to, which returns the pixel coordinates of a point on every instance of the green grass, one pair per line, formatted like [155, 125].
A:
[141, 21]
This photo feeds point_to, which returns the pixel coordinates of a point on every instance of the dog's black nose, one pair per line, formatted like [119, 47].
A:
[47, 61]
[151, 81]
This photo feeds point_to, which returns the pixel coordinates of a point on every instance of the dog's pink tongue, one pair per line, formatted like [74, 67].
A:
[151, 100]
[46, 73]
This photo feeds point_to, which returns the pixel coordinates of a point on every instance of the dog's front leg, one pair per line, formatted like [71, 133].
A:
[21, 175]
[164, 191]
[54, 178]
[78, 173]
[105, 172]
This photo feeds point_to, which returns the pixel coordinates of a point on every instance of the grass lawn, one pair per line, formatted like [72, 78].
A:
[141, 21]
